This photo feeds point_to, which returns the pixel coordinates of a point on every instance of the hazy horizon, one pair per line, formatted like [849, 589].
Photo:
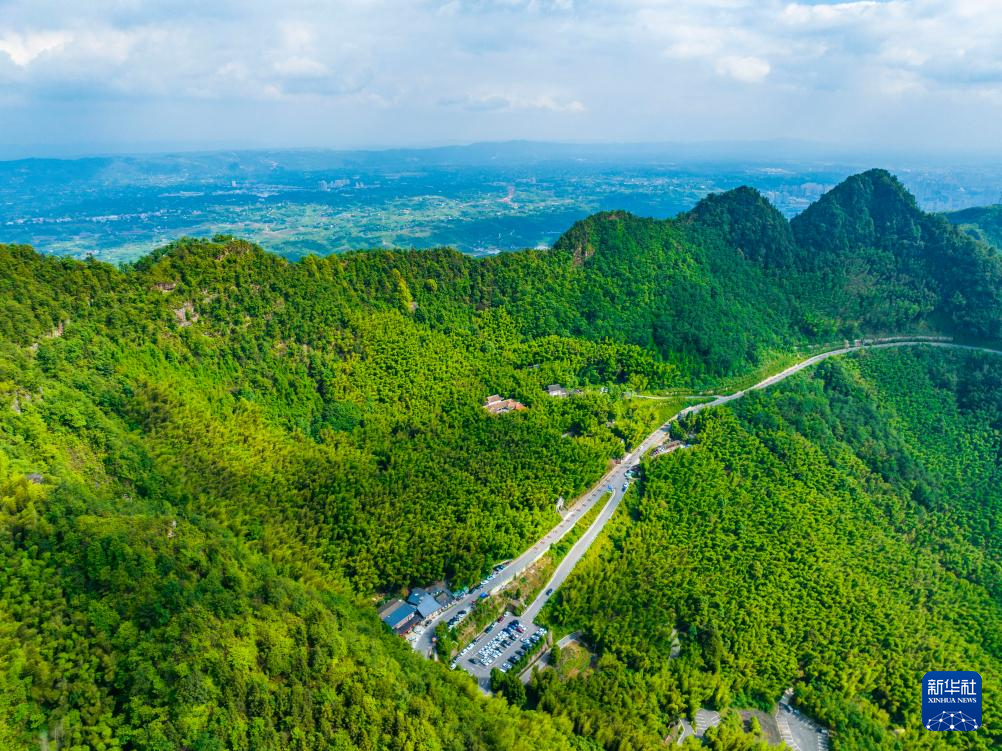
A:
[687, 152]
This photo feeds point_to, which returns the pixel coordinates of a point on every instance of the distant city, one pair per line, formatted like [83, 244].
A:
[480, 199]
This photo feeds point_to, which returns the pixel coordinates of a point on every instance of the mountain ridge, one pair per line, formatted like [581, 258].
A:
[983, 223]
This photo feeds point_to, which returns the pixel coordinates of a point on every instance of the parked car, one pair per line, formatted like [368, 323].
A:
[549, 591]
[489, 629]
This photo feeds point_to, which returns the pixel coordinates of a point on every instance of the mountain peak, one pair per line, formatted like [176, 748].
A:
[869, 210]
[592, 232]
[748, 222]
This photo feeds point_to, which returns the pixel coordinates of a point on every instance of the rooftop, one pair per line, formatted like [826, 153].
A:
[398, 615]
[424, 602]
[500, 406]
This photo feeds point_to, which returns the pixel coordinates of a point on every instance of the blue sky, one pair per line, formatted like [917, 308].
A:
[125, 74]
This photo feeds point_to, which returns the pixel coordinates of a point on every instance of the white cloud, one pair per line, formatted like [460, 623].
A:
[383, 69]
[301, 67]
[297, 35]
[22, 49]
[830, 14]
[744, 69]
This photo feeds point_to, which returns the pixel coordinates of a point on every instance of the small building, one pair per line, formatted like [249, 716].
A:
[555, 389]
[444, 599]
[389, 607]
[440, 591]
[425, 604]
[436, 588]
[399, 616]
[495, 405]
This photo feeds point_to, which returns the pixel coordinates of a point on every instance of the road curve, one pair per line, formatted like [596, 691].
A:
[616, 477]
[658, 436]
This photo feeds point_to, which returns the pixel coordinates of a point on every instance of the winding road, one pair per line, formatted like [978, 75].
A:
[617, 480]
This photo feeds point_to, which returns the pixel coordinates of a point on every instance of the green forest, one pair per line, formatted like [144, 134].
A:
[836, 533]
[983, 223]
[213, 462]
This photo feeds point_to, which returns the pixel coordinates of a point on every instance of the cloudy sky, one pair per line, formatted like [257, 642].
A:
[132, 74]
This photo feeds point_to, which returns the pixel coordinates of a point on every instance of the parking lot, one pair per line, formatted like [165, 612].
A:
[798, 731]
[499, 646]
[421, 637]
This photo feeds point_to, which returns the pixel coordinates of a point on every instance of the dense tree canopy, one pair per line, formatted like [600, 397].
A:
[213, 460]
[837, 533]
[983, 223]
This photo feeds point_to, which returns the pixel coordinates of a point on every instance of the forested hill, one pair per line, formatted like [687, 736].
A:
[729, 279]
[983, 223]
[714, 292]
[888, 263]
[212, 460]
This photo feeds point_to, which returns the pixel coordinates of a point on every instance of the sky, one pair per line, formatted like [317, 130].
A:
[128, 75]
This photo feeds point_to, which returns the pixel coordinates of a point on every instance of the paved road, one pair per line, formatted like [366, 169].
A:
[422, 641]
[798, 731]
[877, 344]
[616, 477]
[618, 484]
